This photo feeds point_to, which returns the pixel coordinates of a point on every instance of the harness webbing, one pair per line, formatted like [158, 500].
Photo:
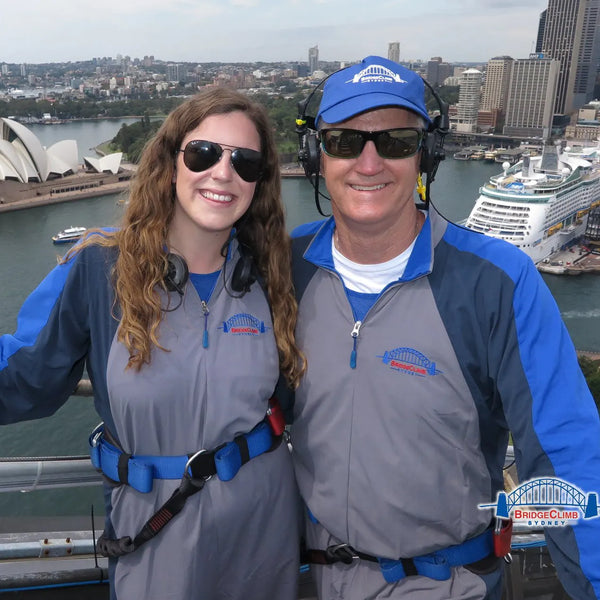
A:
[435, 565]
[224, 461]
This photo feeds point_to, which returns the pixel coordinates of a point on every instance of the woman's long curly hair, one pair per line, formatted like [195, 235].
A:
[141, 264]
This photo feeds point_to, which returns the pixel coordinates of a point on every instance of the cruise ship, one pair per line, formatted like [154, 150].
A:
[541, 203]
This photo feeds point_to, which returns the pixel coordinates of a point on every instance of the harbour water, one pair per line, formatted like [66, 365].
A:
[27, 254]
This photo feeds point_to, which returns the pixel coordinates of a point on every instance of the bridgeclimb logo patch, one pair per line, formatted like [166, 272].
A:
[545, 502]
[243, 324]
[376, 74]
[410, 362]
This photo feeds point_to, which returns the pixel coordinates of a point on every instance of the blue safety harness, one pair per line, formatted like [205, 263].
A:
[139, 471]
[193, 471]
[435, 565]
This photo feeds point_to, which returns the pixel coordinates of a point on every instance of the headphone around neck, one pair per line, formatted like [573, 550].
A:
[177, 275]
[309, 148]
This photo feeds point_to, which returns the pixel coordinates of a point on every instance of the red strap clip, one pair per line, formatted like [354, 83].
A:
[275, 417]
[502, 537]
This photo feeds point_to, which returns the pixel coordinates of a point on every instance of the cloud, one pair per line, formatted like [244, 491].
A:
[268, 30]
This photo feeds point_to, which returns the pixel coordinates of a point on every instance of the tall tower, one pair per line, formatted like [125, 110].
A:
[394, 51]
[468, 100]
[531, 96]
[313, 59]
[540, 34]
[572, 36]
[497, 80]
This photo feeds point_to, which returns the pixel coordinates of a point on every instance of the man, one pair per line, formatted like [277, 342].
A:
[426, 344]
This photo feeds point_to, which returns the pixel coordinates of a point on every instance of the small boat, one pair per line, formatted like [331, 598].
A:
[69, 235]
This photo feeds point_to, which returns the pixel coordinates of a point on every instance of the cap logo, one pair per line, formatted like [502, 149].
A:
[376, 74]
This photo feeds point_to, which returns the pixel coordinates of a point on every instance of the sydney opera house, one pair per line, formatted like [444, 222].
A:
[24, 159]
[28, 170]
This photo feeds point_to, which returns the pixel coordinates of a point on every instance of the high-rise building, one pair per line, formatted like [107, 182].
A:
[540, 35]
[469, 98]
[531, 95]
[313, 59]
[433, 67]
[394, 51]
[497, 79]
[175, 72]
[572, 36]
[437, 70]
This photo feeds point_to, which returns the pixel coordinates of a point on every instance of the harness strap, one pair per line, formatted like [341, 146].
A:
[140, 471]
[435, 565]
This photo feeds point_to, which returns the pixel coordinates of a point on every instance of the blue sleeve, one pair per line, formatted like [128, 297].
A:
[41, 363]
[555, 426]
[524, 363]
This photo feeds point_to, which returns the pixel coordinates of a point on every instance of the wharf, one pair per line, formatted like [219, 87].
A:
[573, 261]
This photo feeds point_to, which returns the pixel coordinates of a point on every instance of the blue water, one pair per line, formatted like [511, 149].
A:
[27, 254]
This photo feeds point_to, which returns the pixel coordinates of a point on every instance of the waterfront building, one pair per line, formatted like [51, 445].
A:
[571, 35]
[497, 80]
[394, 51]
[468, 101]
[23, 159]
[531, 96]
[313, 59]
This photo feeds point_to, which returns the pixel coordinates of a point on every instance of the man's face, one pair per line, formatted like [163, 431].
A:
[370, 191]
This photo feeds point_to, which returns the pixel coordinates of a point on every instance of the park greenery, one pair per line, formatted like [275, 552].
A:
[282, 109]
[591, 371]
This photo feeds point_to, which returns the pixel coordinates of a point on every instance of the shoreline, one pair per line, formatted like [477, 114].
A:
[14, 196]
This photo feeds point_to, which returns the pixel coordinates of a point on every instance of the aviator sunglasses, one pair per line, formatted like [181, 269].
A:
[401, 142]
[200, 155]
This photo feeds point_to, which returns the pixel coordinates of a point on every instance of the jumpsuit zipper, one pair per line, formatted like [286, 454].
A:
[354, 333]
[205, 312]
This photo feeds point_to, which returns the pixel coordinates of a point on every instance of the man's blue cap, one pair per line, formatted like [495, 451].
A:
[373, 83]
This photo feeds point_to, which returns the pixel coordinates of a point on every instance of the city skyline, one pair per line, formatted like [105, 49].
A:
[269, 30]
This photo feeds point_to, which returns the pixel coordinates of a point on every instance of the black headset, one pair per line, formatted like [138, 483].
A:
[177, 275]
[309, 148]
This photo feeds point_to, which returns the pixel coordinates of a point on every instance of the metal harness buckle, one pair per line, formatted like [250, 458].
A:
[187, 472]
[96, 434]
[341, 552]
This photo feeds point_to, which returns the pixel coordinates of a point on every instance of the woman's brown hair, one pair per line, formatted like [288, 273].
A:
[141, 264]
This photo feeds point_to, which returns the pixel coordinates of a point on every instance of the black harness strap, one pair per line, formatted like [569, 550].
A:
[173, 506]
[123, 467]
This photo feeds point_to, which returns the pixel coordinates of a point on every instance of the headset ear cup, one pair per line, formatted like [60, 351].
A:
[310, 153]
[177, 273]
[427, 152]
[243, 274]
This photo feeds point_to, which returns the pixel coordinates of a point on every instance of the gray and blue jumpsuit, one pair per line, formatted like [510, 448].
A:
[235, 539]
[402, 421]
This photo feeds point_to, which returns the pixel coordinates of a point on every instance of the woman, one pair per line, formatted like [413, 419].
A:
[181, 364]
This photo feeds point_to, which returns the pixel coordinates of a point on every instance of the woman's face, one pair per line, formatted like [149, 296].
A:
[209, 202]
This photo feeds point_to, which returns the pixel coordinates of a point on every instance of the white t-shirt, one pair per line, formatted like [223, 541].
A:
[370, 279]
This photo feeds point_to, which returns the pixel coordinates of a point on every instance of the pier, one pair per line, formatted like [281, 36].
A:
[575, 260]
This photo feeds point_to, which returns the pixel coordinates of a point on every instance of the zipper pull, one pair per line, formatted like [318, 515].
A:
[354, 334]
[205, 334]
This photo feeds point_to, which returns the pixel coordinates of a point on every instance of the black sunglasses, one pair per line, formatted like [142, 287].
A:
[199, 155]
[401, 142]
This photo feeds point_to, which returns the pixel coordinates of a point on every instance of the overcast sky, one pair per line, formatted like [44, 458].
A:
[35, 31]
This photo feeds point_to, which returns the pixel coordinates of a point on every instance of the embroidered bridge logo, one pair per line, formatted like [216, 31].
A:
[547, 502]
[410, 361]
[376, 73]
[243, 324]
